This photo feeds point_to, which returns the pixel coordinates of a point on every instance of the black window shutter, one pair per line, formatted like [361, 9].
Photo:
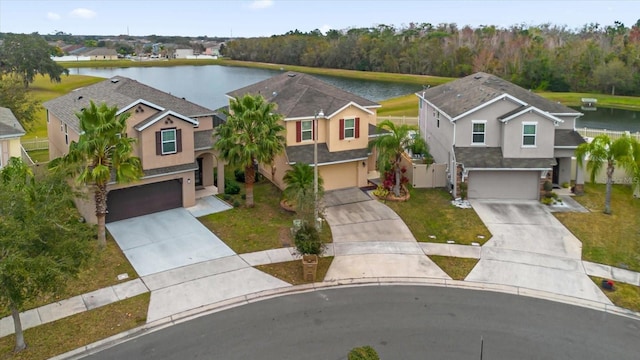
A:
[158, 143]
[178, 140]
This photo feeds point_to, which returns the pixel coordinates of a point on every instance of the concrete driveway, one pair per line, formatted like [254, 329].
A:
[166, 240]
[530, 248]
[355, 216]
[371, 240]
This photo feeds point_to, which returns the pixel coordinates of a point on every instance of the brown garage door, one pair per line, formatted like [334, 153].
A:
[143, 199]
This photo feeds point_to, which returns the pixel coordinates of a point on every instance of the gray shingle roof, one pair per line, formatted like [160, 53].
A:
[491, 158]
[9, 125]
[304, 154]
[163, 170]
[462, 95]
[567, 138]
[302, 95]
[119, 91]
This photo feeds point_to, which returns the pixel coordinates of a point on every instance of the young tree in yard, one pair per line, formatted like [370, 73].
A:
[103, 151]
[42, 240]
[602, 151]
[392, 144]
[251, 135]
[299, 189]
[15, 96]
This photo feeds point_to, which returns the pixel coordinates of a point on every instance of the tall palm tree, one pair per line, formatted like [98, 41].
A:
[300, 188]
[102, 152]
[623, 152]
[251, 135]
[391, 144]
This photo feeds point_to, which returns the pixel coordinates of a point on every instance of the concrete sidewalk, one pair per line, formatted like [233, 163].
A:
[222, 274]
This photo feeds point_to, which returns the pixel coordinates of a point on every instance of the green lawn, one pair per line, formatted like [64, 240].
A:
[607, 239]
[624, 295]
[292, 272]
[263, 227]
[457, 268]
[429, 213]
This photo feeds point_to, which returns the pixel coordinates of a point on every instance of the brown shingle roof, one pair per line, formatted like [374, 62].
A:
[119, 91]
[459, 96]
[302, 95]
[491, 158]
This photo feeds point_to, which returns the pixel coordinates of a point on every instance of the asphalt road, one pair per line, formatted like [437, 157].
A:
[400, 322]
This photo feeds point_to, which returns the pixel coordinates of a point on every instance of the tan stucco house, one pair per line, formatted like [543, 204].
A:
[503, 141]
[345, 125]
[10, 133]
[174, 140]
[102, 54]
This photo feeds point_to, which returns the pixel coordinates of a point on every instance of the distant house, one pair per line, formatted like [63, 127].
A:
[183, 53]
[174, 141]
[102, 54]
[499, 139]
[10, 133]
[345, 127]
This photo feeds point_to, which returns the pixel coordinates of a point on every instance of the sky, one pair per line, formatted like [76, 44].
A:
[257, 18]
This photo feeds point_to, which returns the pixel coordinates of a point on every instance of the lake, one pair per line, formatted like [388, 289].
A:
[207, 86]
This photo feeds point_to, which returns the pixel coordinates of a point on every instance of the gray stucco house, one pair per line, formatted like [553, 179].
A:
[503, 141]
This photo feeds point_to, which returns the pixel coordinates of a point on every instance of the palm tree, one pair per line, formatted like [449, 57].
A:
[391, 144]
[102, 152]
[623, 152]
[300, 188]
[251, 135]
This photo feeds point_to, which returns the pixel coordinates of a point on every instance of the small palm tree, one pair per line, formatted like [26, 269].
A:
[102, 151]
[300, 188]
[252, 134]
[623, 152]
[392, 145]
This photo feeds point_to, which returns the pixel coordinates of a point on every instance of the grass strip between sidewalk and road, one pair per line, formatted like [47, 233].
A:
[457, 268]
[292, 272]
[624, 295]
[75, 331]
[429, 212]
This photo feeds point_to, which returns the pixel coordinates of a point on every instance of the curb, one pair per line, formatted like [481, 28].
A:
[336, 284]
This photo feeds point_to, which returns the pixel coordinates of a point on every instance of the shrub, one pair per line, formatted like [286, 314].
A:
[547, 186]
[565, 185]
[547, 200]
[554, 195]
[231, 187]
[463, 190]
[381, 192]
[389, 179]
[239, 175]
[307, 240]
[227, 197]
[236, 203]
[363, 353]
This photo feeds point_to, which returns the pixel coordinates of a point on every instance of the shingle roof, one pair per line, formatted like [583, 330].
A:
[462, 95]
[304, 154]
[491, 158]
[119, 91]
[9, 126]
[302, 95]
[567, 138]
[203, 139]
[101, 52]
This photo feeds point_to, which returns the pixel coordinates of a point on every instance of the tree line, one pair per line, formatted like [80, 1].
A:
[594, 58]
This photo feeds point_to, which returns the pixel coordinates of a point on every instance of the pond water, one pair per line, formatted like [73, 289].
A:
[610, 119]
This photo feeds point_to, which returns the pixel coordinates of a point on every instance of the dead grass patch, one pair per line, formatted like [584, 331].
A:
[457, 268]
[291, 271]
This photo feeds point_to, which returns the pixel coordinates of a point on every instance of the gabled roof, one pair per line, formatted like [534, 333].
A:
[101, 52]
[468, 93]
[567, 138]
[302, 96]
[9, 125]
[121, 92]
[525, 109]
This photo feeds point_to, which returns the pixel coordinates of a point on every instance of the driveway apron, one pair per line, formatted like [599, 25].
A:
[530, 248]
[371, 240]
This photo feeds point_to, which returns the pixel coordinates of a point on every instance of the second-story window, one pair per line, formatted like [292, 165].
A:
[349, 128]
[306, 130]
[478, 132]
[169, 145]
[529, 134]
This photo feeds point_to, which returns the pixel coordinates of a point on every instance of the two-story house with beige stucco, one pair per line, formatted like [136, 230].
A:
[173, 141]
[503, 141]
[10, 133]
[345, 124]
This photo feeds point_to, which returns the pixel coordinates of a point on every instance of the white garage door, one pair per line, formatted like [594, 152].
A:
[504, 185]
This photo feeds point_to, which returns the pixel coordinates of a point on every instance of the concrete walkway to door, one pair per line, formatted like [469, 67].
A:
[530, 248]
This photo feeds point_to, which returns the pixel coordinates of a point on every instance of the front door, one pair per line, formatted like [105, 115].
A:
[555, 177]
[199, 172]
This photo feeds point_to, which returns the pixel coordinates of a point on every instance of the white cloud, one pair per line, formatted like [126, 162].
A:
[53, 16]
[324, 28]
[260, 4]
[83, 13]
